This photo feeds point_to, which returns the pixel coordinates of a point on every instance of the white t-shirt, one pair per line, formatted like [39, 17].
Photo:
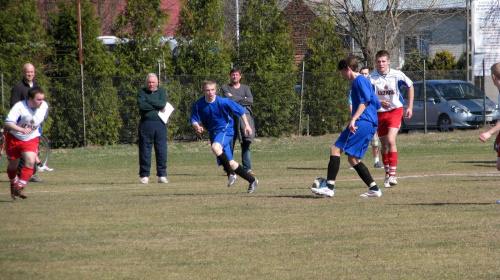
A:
[22, 115]
[388, 87]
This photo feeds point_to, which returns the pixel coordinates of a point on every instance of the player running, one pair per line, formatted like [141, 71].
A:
[22, 138]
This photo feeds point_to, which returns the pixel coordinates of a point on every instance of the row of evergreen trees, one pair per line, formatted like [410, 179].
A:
[107, 107]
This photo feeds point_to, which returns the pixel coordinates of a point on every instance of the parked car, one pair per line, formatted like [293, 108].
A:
[450, 104]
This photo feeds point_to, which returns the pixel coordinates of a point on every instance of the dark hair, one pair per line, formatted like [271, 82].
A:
[234, 70]
[382, 53]
[34, 91]
[351, 62]
[364, 67]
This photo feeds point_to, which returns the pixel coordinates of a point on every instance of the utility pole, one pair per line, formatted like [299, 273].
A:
[80, 57]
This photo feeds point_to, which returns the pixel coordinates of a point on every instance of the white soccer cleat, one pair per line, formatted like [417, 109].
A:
[44, 168]
[231, 179]
[386, 181]
[392, 181]
[324, 191]
[371, 193]
[144, 180]
[162, 180]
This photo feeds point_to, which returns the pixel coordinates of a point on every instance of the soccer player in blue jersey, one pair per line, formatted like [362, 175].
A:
[355, 139]
[215, 114]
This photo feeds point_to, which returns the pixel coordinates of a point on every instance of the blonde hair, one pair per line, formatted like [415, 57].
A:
[207, 83]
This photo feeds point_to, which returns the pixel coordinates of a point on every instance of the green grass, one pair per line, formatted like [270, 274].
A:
[91, 219]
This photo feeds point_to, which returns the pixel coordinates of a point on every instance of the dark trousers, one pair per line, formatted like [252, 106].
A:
[246, 153]
[152, 133]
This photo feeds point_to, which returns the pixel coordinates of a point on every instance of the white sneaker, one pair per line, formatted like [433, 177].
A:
[392, 181]
[370, 193]
[231, 179]
[44, 168]
[323, 191]
[252, 186]
[144, 180]
[162, 180]
[386, 181]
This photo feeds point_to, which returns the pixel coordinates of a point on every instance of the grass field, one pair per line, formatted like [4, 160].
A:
[91, 219]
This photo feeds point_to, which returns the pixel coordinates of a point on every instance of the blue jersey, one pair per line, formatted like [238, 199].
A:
[216, 116]
[362, 92]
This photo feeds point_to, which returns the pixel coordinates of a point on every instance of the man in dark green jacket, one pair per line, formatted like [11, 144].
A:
[152, 130]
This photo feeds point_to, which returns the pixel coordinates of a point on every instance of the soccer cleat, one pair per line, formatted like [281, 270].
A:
[392, 181]
[386, 181]
[44, 168]
[13, 189]
[351, 167]
[20, 193]
[252, 186]
[162, 180]
[371, 193]
[378, 165]
[144, 180]
[323, 191]
[35, 179]
[231, 179]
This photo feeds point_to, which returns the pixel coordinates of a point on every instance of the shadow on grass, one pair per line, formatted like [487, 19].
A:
[447, 203]
[305, 168]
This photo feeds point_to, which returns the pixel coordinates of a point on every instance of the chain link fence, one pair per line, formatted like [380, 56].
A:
[105, 112]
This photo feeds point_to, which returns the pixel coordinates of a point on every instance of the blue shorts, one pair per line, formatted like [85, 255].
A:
[356, 144]
[225, 139]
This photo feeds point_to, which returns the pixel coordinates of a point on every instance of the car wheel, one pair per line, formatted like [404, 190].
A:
[444, 123]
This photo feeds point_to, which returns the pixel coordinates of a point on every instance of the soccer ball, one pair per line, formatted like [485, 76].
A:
[318, 182]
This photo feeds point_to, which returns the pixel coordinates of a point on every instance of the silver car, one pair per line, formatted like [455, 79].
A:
[450, 104]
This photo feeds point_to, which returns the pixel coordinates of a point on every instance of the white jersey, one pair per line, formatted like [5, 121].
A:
[22, 115]
[388, 87]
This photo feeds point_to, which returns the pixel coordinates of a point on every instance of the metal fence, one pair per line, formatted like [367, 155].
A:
[107, 113]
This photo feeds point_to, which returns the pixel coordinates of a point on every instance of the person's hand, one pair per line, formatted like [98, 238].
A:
[248, 130]
[385, 104]
[409, 113]
[199, 129]
[352, 126]
[484, 136]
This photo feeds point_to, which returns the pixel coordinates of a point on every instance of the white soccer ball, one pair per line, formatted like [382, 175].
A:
[318, 182]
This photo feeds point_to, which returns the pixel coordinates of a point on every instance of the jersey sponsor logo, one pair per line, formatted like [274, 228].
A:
[33, 127]
[386, 92]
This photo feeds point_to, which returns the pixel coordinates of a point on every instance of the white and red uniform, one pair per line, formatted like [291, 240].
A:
[24, 116]
[388, 87]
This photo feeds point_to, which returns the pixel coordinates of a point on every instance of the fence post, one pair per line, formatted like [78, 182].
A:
[425, 101]
[299, 132]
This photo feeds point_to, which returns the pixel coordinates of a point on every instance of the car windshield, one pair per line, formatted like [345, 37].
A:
[455, 91]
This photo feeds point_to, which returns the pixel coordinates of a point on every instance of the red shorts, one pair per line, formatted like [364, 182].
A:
[15, 147]
[390, 119]
[498, 141]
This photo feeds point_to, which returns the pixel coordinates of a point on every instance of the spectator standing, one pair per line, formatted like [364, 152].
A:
[388, 83]
[152, 130]
[22, 138]
[215, 114]
[241, 94]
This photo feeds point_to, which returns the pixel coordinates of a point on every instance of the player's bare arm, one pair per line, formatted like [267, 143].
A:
[359, 111]
[248, 128]
[197, 127]
[409, 110]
